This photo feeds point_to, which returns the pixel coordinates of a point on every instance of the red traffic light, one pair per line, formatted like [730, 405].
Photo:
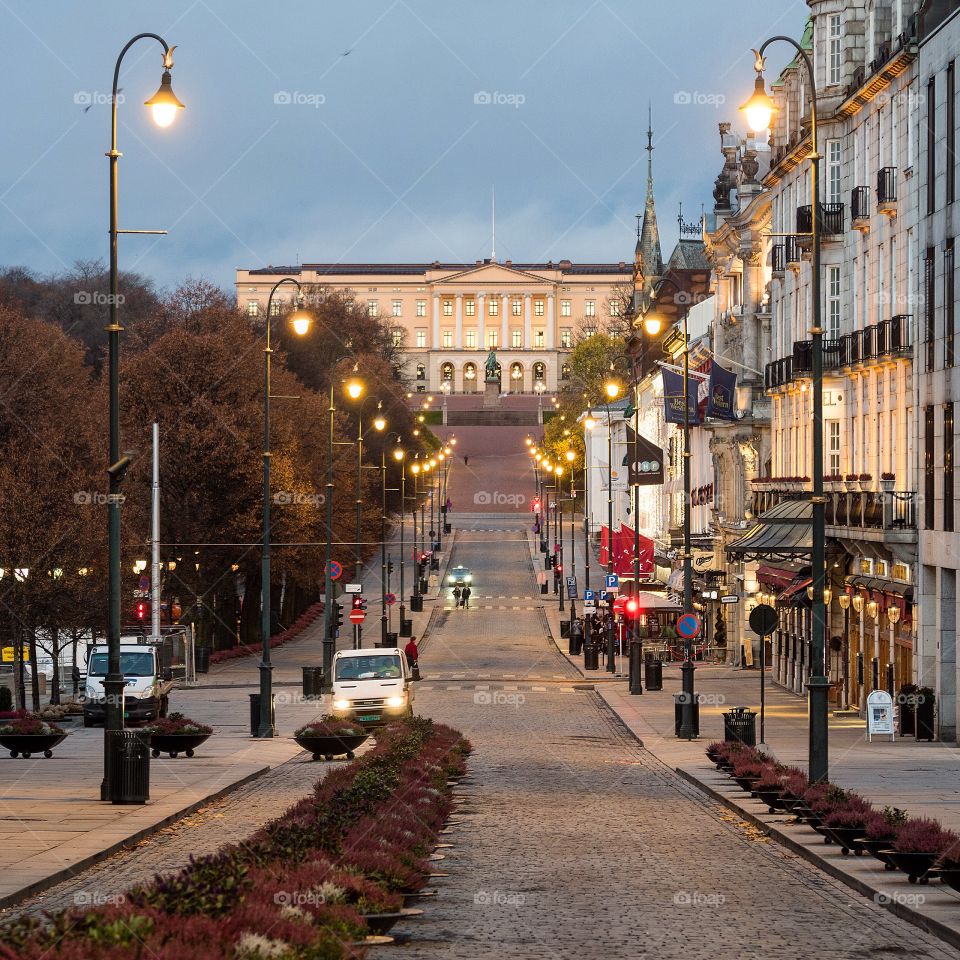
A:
[535, 506]
[631, 608]
[141, 611]
[559, 568]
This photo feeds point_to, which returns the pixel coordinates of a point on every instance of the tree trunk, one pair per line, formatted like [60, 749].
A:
[34, 670]
[250, 611]
[55, 677]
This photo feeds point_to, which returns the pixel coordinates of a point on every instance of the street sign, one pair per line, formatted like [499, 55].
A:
[572, 588]
[589, 596]
[357, 616]
[612, 581]
[335, 570]
[353, 588]
[589, 606]
[608, 598]
[729, 598]
[763, 619]
[390, 599]
[688, 626]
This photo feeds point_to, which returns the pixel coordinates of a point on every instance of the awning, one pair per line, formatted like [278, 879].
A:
[895, 587]
[774, 576]
[793, 589]
[675, 581]
[783, 532]
[651, 602]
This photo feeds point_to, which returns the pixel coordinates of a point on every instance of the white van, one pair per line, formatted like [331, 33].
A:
[148, 683]
[371, 686]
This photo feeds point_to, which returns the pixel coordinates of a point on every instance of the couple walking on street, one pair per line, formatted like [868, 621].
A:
[461, 595]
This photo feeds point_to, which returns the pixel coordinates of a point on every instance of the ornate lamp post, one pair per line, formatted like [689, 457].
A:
[164, 107]
[759, 110]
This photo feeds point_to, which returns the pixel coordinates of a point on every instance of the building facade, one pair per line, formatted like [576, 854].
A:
[446, 317]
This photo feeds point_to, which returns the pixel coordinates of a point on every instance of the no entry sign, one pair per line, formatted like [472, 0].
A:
[357, 616]
[688, 626]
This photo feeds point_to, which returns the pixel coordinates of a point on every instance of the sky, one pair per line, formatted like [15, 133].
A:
[373, 130]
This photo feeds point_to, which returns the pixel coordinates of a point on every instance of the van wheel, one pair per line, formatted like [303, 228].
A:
[87, 721]
[48, 753]
[328, 757]
[155, 754]
[350, 754]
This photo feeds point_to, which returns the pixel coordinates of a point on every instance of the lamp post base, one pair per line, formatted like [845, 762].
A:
[636, 685]
[818, 688]
[687, 727]
[329, 648]
[266, 731]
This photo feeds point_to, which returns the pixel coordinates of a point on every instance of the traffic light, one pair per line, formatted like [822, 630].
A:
[535, 506]
[558, 569]
[631, 609]
[141, 610]
[359, 603]
[337, 616]
[389, 566]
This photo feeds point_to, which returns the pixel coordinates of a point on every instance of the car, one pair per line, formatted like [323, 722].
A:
[371, 686]
[458, 576]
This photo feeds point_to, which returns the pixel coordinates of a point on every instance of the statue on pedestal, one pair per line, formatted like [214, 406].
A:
[492, 368]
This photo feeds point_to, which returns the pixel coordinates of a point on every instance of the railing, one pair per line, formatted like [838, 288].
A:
[883, 55]
[886, 185]
[890, 337]
[791, 250]
[802, 358]
[860, 203]
[899, 338]
[888, 510]
[799, 365]
[778, 259]
[778, 373]
[831, 219]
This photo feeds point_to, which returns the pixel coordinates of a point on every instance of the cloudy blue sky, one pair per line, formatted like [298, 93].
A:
[352, 131]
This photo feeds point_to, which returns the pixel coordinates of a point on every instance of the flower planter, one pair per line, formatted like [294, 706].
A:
[176, 743]
[26, 744]
[746, 783]
[914, 865]
[887, 485]
[380, 923]
[844, 838]
[950, 876]
[331, 746]
[769, 797]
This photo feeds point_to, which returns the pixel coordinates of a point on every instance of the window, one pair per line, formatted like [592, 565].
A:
[834, 48]
[471, 340]
[516, 307]
[948, 306]
[948, 491]
[373, 308]
[516, 375]
[931, 145]
[396, 308]
[833, 302]
[493, 338]
[421, 308]
[448, 308]
[929, 296]
[421, 372]
[421, 337]
[951, 121]
[929, 458]
[566, 338]
[538, 308]
[494, 307]
[471, 308]
[516, 338]
[565, 372]
[589, 308]
[274, 308]
[253, 308]
[589, 332]
[833, 171]
[448, 338]
[614, 308]
[539, 372]
[396, 335]
[538, 339]
[446, 372]
[833, 447]
[469, 373]
[564, 308]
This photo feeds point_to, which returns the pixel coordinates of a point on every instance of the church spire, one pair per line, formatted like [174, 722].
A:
[649, 260]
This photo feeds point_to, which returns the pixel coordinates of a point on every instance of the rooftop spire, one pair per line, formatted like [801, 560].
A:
[648, 256]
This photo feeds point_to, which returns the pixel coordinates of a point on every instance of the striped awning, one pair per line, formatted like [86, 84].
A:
[782, 533]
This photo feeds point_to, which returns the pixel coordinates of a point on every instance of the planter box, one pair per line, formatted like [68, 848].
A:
[176, 743]
[24, 744]
[331, 746]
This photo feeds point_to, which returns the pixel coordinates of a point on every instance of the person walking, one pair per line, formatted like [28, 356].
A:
[456, 595]
[413, 658]
[466, 596]
[466, 461]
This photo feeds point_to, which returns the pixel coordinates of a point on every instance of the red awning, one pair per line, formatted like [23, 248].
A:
[794, 588]
[775, 576]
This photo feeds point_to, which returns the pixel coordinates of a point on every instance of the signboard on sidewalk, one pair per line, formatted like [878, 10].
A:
[880, 714]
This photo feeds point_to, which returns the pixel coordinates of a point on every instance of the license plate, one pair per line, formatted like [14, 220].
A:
[368, 717]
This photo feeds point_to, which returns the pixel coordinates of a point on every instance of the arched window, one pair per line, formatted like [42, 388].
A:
[539, 371]
[446, 372]
[470, 377]
[516, 376]
[421, 372]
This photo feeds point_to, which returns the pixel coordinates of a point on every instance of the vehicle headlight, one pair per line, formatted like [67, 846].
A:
[468, 578]
[395, 701]
[451, 579]
[341, 704]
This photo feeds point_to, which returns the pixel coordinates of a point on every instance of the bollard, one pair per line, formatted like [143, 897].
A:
[636, 659]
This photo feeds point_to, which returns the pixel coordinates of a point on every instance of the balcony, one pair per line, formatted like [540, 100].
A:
[888, 340]
[860, 208]
[884, 52]
[831, 222]
[778, 373]
[887, 191]
[778, 259]
[792, 252]
[799, 366]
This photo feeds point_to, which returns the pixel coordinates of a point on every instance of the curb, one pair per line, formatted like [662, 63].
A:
[69, 873]
[901, 910]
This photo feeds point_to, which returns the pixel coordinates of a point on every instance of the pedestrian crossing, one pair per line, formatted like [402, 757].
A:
[493, 688]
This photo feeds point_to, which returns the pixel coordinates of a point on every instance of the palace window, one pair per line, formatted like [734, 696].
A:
[516, 338]
[833, 304]
[448, 338]
[373, 308]
[397, 308]
[448, 308]
[566, 338]
[589, 308]
[565, 372]
[421, 337]
[564, 308]
[274, 308]
[538, 308]
[470, 307]
[421, 371]
[421, 308]
[538, 338]
[589, 332]
[253, 308]
[833, 171]
[539, 372]
[493, 339]
[396, 334]
[471, 339]
[446, 372]
[614, 308]
[494, 308]
[834, 48]
[833, 446]
[516, 307]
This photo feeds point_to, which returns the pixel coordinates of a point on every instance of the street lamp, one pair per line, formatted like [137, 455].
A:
[379, 424]
[384, 572]
[300, 321]
[589, 424]
[539, 388]
[164, 107]
[759, 110]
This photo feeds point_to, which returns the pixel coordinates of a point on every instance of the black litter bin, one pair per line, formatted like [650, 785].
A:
[392, 639]
[416, 605]
[128, 753]
[447, 528]
[312, 683]
[203, 659]
[678, 704]
[406, 627]
[543, 587]
[255, 712]
[434, 563]
[564, 628]
[652, 673]
[424, 584]
[740, 723]
[591, 658]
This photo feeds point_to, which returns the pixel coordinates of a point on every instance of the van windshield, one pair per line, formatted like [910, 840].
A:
[373, 667]
[138, 664]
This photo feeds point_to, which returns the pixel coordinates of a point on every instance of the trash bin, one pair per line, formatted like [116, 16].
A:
[447, 528]
[543, 587]
[416, 604]
[591, 657]
[406, 627]
[434, 563]
[740, 723]
[128, 773]
[255, 711]
[564, 628]
[652, 673]
[312, 683]
[678, 703]
[392, 639]
[203, 659]
[423, 589]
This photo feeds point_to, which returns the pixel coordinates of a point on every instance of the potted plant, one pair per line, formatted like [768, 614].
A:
[833, 482]
[769, 788]
[887, 480]
[795, 784]
[846, 825]
[918, 844]
[866, 482]
[329, 737]
[907, 700]
[852, 482]
[926, 704]
[24, 736]
[948, 866]
[747, 769]
[177, 734]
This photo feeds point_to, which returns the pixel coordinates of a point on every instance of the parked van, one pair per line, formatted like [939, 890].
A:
[371, 686]
[148, 682]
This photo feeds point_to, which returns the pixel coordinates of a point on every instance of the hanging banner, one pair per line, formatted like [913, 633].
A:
[721, 393]
[624, 562]
[673, 397]
[644, 460]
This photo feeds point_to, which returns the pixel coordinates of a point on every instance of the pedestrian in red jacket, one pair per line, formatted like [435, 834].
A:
[413, 654]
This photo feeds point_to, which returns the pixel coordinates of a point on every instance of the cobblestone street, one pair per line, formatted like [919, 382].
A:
[574, 841]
